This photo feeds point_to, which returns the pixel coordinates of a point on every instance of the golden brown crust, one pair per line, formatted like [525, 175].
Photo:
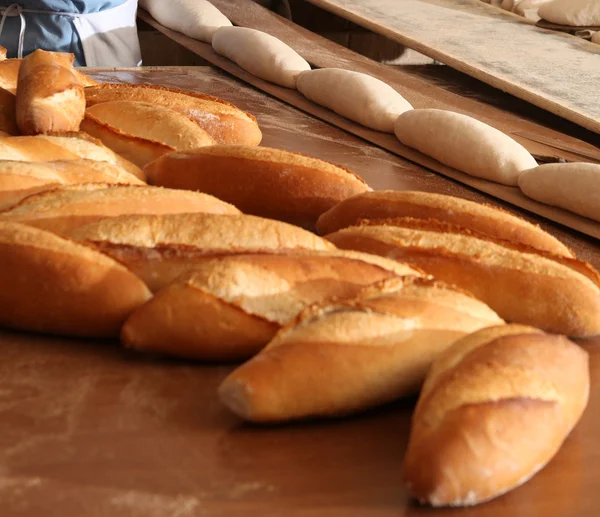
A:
[348, 355]
[64, 209]
[222, 120]
[8, 117]
[526, 286]
[259, 181]
[479, 217]
[56, 286]
[494, 414]
[50, 94]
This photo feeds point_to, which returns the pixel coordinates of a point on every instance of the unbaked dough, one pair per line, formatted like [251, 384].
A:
[359, 97]
[572, 186]
[465, 144]
[578, 13]
[197, 19]
[596, 37]
[260, 54]
[529, 9]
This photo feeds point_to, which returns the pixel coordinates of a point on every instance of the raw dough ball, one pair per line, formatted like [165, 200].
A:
[260, 54]
[197, 19]
[578, 13]
[572, 186]
[464, 143]
[356, 96]
[596, 37]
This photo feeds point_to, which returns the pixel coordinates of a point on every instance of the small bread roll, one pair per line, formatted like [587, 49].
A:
[356, 96]
[351, 355]
[142, 132]
[230, 307]
[572, 186]
[464, 143]
[198, 19]
[495, 408]
[260, 181]
[161, 248]
[523, 285]
[479, 217]
[261, 54]
[577, 13]
[225, 123]
[50, 95]
[65, 209]
[57, 286]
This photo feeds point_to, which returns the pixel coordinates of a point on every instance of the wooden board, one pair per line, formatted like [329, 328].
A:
[88, 429]
[509, 194]
[552, 70]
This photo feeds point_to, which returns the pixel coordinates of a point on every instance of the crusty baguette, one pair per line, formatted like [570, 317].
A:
[425, 205]
[56, 286]
[64, 209]
[230, 307]
[50, 96]
[9, 75]
[2, 53]
[347, 356]
[21, 179]
[220, 119]
[8, 117]
[259, 180]
[68, 146]
[143, 132]
[494, 410]
[160, 248]
[521, 284]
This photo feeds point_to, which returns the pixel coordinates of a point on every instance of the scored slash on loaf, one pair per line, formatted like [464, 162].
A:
[260, 181]
[350, 355]
[230, 307]
[494, 409]
[522, 284]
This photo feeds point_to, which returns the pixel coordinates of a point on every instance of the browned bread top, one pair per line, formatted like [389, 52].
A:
[479, 217]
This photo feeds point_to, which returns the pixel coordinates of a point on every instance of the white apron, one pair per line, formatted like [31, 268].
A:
[108, 38]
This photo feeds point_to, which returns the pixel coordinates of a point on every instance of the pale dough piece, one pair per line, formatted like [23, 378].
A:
[465, 144]
[356, 96]
[261, 54]
[596, 37]
[572, 186]
[578, 13]
[197, 19]
[529, 9]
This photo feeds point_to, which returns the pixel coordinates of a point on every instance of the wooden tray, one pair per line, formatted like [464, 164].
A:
[390, 142]
[566, 28]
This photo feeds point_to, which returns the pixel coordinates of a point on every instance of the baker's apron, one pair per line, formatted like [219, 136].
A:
[101, 33]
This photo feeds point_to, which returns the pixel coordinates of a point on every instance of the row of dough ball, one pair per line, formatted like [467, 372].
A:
[453, 139]
[575, 13]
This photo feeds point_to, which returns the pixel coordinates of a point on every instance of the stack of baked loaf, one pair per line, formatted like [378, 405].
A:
[151, 214]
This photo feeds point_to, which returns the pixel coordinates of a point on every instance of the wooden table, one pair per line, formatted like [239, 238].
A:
[90, 430]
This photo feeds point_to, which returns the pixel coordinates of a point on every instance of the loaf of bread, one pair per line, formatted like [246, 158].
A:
[2, 53]
[142, 132]
[572, 186]
[464, 143]
[522, 284]
[21, 179]
[224, 122]
[8, 117]
[64, 209]
[259, 180]
[160, 248]
[230, 307]
[50, 95]
[481, 218]
[350, 355]
[9, 75]
[57, 286]
[68, 146]
[494, 409]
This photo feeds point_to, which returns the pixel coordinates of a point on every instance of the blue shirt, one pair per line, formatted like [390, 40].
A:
[49, 31]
